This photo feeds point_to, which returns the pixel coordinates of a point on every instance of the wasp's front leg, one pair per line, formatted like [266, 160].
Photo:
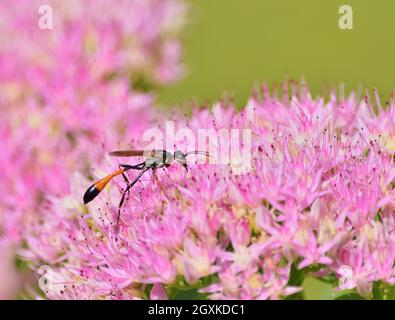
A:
[125, 178]
[155, 177]
[126, 191]
[128, 167]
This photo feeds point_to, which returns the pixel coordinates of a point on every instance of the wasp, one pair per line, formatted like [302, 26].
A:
[154, 159]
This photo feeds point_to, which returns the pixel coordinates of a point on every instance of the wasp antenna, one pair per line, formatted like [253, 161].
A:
[204, 153]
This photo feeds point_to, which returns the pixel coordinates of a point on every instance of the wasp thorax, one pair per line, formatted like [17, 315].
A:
[180, 157]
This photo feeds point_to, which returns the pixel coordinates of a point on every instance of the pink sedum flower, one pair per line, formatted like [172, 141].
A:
[318, 200]
[132, 38]
[307, 188]
[67, 95]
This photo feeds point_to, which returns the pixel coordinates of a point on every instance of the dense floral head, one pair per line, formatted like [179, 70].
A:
[71, 90]
[294, 186]
[66, 42]
[317, 199]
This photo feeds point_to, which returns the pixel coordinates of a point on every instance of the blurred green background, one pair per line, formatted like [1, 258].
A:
[230, 44]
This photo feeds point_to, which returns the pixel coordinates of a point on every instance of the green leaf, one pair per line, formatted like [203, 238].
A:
[315, 289]
[329, 279]
[192, 294]
[377, 291]
[297, 276]
[147, 291]
[350, 296]
[21, 264]
[181, 290]
[387, 291]
[141, 83]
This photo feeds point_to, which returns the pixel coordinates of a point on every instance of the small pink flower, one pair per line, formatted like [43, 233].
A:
[158, 292]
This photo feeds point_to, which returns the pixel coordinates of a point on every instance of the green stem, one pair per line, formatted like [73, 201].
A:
[296, 280]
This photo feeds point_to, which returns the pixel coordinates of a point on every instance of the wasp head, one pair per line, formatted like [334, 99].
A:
[179, 156]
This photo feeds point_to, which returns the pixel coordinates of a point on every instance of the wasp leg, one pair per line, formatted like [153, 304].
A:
[125, 178]
[123, 166]
[155, 177]
[129, 166]
[130, 185]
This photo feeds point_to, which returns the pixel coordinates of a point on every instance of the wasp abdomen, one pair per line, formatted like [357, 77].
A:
[97, 187]
[91, 193]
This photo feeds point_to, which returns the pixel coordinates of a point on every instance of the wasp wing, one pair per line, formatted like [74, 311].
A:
[126, 153]
[136, 153]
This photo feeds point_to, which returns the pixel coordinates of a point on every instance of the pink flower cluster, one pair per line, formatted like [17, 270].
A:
[318, 201]
[85, 42]
[69, 92]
